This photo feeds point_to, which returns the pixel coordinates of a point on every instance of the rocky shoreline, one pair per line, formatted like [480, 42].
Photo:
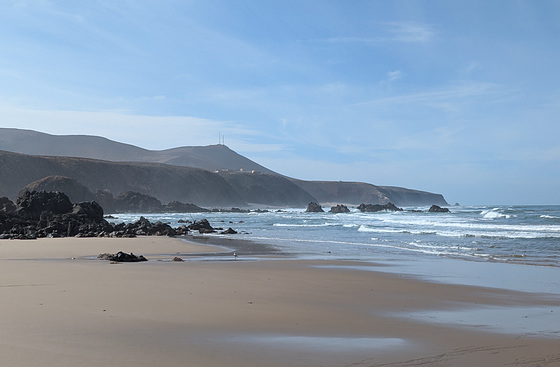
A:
[40, 214]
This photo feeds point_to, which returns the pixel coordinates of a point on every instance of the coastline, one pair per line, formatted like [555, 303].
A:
[61, 307]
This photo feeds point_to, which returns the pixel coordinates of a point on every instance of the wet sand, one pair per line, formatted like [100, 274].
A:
[61, 307]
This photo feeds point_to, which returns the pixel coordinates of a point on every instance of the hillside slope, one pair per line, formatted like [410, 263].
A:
[165, 182]
[212, 158]
[359, 192]
[215, 158]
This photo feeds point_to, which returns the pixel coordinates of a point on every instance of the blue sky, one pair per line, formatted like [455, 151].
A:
[460, 98]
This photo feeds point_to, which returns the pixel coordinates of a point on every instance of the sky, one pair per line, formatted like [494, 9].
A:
[460, 98]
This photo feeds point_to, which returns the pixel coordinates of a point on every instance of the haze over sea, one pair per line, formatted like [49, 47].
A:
[503, 242]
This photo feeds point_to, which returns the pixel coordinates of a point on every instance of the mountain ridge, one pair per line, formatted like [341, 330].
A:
[252, 183]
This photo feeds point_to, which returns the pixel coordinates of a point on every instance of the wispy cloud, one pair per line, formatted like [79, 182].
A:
[409, 32]
[406, 32]
[451, 92]
[394, 75]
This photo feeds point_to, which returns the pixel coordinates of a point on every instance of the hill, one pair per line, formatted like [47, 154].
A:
[213, 157]
[333, 192]
[265, 188]
[165, 182]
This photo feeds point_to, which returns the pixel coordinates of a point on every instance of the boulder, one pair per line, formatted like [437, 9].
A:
[339, 209]
[229, 231]
[90, 210]
[134, 202]
[438, 209]
[313, 207]
[202, 226]
[369, 208]
[122, 257]
[31, 204]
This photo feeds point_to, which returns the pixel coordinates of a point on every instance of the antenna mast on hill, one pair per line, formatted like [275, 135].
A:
[221, 139]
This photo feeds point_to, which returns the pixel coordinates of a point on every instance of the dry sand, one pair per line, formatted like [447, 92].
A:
[60, 307]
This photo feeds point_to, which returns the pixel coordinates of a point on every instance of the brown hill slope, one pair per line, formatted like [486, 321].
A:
[266, 188]
[75, 191]
[213, 158]
[359, 192]
[165, 182]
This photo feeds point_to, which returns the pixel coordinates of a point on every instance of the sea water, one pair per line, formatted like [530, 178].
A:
[528, 235]
[505, 247]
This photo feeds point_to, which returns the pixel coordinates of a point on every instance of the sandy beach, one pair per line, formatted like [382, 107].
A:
[59, 306]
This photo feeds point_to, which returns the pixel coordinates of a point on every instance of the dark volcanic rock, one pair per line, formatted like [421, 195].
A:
[7, 206]
[32, 204]
[378, 207]
[229, 231]
[202, 226]
[91, 210]
[339, 209]
[438, 209]
[134, 202]
[122, 257]
[52, 215]
[313, 207]
[178, 207]
[144, 227]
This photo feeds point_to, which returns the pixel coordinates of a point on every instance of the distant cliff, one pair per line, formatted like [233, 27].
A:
[355, 193]
[177, 174]
[165, 182]
[262, 188]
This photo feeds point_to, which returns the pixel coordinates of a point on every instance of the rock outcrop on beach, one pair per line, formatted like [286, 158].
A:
[135, 202]
[369, 208]
[206, 176]
[122, 257]
[202, 226]
[437, 209]
[339, 209]
[313, 207]
[51, 214]
[41, 214]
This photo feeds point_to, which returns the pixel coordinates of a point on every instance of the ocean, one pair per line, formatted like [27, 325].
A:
[524, 235]
[496, 247]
